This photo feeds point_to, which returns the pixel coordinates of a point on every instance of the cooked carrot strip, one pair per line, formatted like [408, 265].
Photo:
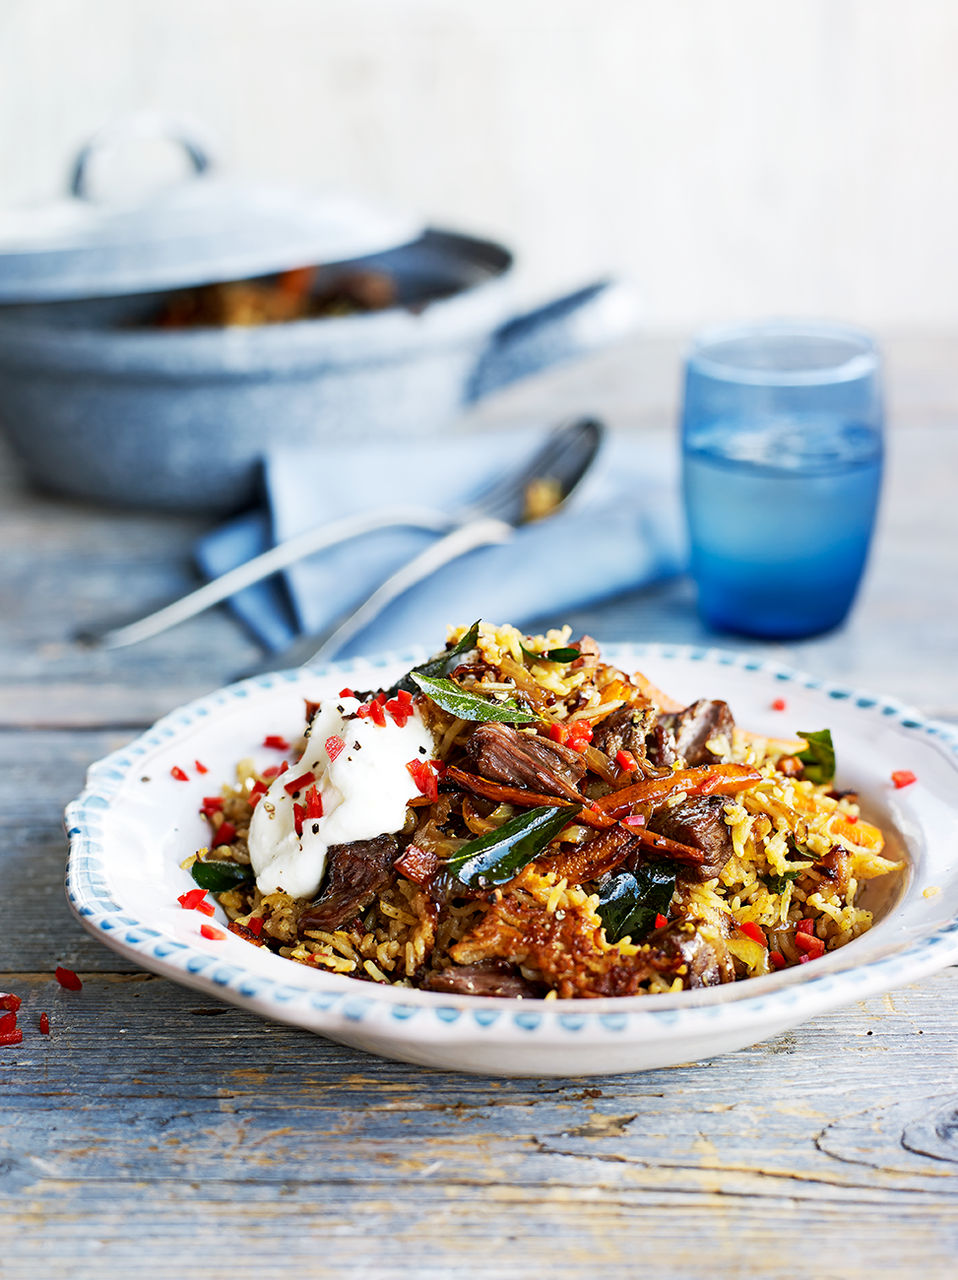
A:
[517, 795]
[731, 778]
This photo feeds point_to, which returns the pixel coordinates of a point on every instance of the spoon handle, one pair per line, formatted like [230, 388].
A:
[467, 537]
[115, 635]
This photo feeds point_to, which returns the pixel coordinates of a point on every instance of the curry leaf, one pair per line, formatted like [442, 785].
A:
[630, 900]
[778, 884]
[440, 663]
[553, 655]
[220, 876]
[501, 854]
[819, 756]
[469, 706]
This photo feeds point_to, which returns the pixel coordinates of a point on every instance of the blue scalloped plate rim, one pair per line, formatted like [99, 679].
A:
[340, 1006]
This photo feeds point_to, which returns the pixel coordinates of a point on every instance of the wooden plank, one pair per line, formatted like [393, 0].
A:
[221, 1126]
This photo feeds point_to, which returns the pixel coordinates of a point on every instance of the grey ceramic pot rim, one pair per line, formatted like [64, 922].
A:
[42, 337]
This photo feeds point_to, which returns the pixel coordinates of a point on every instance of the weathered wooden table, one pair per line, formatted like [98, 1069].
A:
[154, 1132]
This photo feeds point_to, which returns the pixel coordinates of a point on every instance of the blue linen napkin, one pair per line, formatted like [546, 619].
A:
[620, 530]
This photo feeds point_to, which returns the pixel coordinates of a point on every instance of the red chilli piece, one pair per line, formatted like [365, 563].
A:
[660, 920]
[276, 741]
[779, 705]
[7, 1023]
[776, 959]
[190, 900]
[579, 735]
[334, 747]
[751, 930]
[200, 767]
[206, 907]
[377, 713]
[558, 732]
[710, 784]
[626, 760]
[10, 1001]
[425, 778]
[225, 834]
[633, 820]
[44, 1025]
[346, 692]
[67, 978]
[212, 804]
[300, 783]
[812, 946]
[255, 924]
[275, 770]
[314, 804]
[903, 778]
[362, 711]
[401, 712]
[256, 793]
[177, 773]
[299, 817]
[805, 926]
[214, 935]
[11, 1037]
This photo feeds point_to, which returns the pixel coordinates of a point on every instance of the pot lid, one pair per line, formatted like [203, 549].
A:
[203, 229]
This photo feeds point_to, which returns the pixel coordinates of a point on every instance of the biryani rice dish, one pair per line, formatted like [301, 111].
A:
[517, 817]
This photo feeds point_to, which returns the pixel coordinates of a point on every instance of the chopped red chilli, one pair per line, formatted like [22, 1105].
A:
[751, 930]
[633, 820]
[377, 713]
[177, 773]
[299, 817]
[812, 946]
[9, 1001]
[44, 1025]
[298, 784]
[276, 741]
[626, 760]
[11, 1037]
[805, 926]
[425, 778]
[206, 908]
[579, 735]
[314, 804]
[7, 1023]
[558, 732]
[778, 705]
[256, 793]
[200, 767]
[275, 770]
[334, 747]
[660, 920]
[211, 805]
[214, 935]
[903, 778]
[346, 692]
[255, 925]
[777, 959]
[225, 834]
[190, 900]
[67, 978]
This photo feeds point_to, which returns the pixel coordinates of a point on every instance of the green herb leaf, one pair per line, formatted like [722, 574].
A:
[220, 876]
[501, 854]
[440, 663]
[630, 901]
[778, 884]
[819, 756]
[553, 655]
[469, 706]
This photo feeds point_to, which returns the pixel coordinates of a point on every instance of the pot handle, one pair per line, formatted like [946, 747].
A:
[563, 329]
[143, 125]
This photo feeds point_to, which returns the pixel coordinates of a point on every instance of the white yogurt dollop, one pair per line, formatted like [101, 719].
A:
[364, 788]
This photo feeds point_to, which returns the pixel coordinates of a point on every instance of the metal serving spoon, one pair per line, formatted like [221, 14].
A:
[563, 460]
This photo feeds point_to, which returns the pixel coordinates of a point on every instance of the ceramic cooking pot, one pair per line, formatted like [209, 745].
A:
[99, 404]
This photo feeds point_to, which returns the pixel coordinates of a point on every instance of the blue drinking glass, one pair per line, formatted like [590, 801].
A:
[782, 448]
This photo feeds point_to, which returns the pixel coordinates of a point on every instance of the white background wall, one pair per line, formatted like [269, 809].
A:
[735, 157]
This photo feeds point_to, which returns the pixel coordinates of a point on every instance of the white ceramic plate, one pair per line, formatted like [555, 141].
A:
[134, 824]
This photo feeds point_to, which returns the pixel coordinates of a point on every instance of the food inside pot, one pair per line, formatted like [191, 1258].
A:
[299, 294]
